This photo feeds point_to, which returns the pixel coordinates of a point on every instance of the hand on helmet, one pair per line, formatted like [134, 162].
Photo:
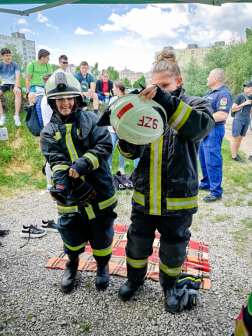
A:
[59, 193]
[149, 93]
[105, 118]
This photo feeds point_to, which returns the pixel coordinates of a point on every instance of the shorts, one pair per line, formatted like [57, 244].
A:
[33, 88]
[239, 127]
[7, 87]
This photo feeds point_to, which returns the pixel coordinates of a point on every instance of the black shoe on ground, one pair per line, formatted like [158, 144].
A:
[128, 289]
[206, 189]
[250, 157]
[171, 301]
[67, 281]
[102, 277]
[32, 232]
[211, 198]
[49, 225]
[0, 244]
[237, 158]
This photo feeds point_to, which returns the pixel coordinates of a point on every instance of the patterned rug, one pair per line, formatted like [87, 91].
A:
[196, 262]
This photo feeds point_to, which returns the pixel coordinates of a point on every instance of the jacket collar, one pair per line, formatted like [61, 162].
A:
[179, 92]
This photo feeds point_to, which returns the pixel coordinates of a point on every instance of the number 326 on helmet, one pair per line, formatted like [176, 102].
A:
[137, 121]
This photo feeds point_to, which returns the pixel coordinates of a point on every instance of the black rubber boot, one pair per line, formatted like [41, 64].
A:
[67, 281]
[171, 301]
[102, 276]
[128, 289]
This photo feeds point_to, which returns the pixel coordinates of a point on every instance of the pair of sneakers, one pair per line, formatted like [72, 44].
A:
[16, 119]
[33, 232]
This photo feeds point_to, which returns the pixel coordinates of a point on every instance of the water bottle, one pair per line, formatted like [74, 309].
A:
[106, 101]
[126, 165]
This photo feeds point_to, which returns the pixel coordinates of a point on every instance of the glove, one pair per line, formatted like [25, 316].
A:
[59, 193]
[83, 191]
[104, 118]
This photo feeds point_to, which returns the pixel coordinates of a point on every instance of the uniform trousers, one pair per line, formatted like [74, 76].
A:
[175, 236]
[76, 232]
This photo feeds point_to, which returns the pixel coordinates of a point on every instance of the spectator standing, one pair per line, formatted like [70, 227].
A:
[63, 62]
[10, 76]
[35, 72]
[87, 85]
[119, 91]
[104, 86]
[210, 149]
[242, 109]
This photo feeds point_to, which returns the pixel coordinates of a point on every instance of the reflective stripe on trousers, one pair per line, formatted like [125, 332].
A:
[156, 176]
[103, 252]
[76, 248]
[137, 263]
[170, 271]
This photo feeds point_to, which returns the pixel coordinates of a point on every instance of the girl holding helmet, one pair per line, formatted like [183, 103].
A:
[78, 151]
[165, 181]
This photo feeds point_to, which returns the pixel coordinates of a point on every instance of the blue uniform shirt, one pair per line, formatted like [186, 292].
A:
[220, 100]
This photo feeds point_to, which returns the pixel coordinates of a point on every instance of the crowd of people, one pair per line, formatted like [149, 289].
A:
[78, 146]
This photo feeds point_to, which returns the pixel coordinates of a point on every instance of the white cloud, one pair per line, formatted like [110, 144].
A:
[22, 21]
[42, 46]
[131, 42]
[41, 18]
[24, 30]
[81, 31]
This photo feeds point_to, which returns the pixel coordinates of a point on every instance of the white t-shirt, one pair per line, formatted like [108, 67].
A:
[60, 70]
[46, 111]
[110, 102]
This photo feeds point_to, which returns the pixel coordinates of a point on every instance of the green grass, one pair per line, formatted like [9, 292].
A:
[248, 222]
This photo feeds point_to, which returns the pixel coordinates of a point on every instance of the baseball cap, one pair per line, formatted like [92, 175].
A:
[249, 84]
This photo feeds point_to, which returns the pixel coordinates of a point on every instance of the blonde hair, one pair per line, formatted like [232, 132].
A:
[166, 61]
[121, 86]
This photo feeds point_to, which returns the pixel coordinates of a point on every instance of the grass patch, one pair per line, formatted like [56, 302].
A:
[248, 222]
[221, 218]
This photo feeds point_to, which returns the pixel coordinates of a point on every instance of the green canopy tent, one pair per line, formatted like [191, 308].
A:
[52, 3]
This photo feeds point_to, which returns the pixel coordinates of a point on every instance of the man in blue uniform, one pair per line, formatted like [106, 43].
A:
[210, 149]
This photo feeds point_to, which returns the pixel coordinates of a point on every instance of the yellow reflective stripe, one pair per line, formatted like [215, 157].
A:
[63, 209]
[108, 202]
[155, 176]
[139, 198]
[182, 203]
[104, 252]
[180, 116]
[190, 278]
[137, 263]
[169, 271]
[90, 212]
[127, 155]
[78, 131]
[69, 142]
[59, 167]
[57, 136]
[93, 159]
[76, 248]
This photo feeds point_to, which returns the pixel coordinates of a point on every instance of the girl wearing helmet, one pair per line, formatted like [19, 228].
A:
[78, 151]
[165, 182]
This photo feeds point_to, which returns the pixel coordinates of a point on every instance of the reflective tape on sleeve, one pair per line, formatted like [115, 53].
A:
[170, 271]
[103, 252]
[59, 167]
[67, 209]
[108, 202]
[93, 160]
[139, 198]
[180, 116]
[137, 263]
[182, 203]
[57, 136]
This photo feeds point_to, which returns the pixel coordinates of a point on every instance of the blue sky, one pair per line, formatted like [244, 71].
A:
[127, 35]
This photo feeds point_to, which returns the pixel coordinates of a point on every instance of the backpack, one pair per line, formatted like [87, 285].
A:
[81, 78]
[32, 119]
[246, 98]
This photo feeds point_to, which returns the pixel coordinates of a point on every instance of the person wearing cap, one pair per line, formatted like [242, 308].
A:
[210, 156]
[77, 151]
[242, 109]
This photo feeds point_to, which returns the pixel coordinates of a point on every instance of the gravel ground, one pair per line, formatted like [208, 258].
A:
[32, 304]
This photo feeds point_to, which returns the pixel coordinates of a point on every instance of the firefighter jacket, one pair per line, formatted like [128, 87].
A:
[78, 140]
[166, 178]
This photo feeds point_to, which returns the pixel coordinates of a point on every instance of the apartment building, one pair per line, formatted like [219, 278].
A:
[24, 46]
[192, 52]
[132, 75]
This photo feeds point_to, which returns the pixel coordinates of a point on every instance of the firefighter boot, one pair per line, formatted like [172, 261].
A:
[102, 276]
[128, 289]
[171, 301]
[67, 281]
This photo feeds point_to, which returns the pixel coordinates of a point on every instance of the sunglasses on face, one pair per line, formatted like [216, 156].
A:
[64, 62]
